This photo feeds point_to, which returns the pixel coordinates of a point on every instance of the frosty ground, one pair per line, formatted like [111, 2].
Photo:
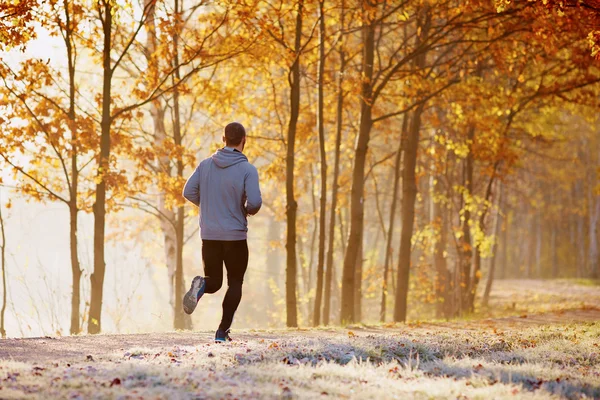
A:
[544, 342]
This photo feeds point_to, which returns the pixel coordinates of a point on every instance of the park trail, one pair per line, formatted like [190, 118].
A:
[103, 347]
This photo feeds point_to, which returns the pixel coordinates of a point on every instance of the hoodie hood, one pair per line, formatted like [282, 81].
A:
[225, 158]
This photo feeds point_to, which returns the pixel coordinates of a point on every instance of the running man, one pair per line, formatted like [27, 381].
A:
[225, 187]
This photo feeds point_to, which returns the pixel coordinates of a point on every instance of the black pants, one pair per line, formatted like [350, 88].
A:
[235, 256]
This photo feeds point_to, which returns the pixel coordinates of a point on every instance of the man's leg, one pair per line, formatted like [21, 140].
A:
[212, 257]
[236, 262]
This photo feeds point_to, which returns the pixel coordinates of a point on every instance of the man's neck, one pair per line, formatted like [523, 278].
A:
[238, 148]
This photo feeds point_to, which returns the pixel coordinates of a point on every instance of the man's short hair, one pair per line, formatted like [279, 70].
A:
[234, 133]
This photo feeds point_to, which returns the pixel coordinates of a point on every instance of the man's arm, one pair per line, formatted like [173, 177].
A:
[253, 196]
[191, 190]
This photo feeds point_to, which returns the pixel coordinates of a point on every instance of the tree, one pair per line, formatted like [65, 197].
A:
[323, 162]
[38, 99]
[17, 23]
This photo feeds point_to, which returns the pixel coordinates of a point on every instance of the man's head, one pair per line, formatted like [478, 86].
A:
[235, 135]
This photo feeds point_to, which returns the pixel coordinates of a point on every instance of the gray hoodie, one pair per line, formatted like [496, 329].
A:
[225, 187]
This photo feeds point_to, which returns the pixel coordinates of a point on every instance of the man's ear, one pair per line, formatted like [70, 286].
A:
[224, 141]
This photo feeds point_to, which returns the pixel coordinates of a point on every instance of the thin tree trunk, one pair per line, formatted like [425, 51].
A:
[292, 206]
[474, 281]
[358, 282]
[181, 320]
[409, 183]
[358, 173]
[392, 218]
[323, 161]
[593, 233]
[505, 243]
[3, 259]
[76, 272]
[538, 245]
[443, 281]
[409, 195]
[490, 278]
[336, 172]
[97, 277]
[466, 246]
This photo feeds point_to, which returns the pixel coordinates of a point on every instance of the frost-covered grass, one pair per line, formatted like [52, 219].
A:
[428, 362]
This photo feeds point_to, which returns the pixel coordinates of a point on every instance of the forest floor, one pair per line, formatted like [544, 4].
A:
[543, 341]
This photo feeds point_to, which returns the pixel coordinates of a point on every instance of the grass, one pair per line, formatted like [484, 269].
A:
[450, 362]
[522, 356]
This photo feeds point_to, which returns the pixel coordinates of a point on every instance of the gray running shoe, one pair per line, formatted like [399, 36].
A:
[190, 300]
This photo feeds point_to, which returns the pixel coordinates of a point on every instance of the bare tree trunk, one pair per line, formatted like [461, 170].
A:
[593, 233]
[505, 243]
[409, 183]
[76, 272]
[443, 276]
[392, 218]
[466, 248]
[181, 320]
[358, 270]
[358, 173]
[409, 195]
[323, 161]
[474, 281]
[3, 259]
[97, 277]
[336, 171]
[496, 229]
[292, 206]
[538, 246]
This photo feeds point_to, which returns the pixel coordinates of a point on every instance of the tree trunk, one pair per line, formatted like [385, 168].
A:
[75, 268]
[593, 233]
[409, 183]
[443, 281]
[538, 245]
[409, 195]
[336, 172]
[76, 272]
[466, 246]
[181, 320]
[292, 206]
[97, 277]
[3, 260]
[323, 162]
[392, 218]
[358, 172]
[492, 271]
[474, 281]
[358, 270]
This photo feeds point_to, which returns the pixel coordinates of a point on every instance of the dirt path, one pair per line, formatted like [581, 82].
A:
[111, 347]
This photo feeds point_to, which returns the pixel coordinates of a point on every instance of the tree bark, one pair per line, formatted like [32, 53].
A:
[409, 183]
[474, 281]
[358, 173]
[490, 278]
[443, 276]
[97, 277]
[392, 218]
[336, 172]
[409, 195]
[323, 162]
[76, 272]
[466, 246]
[292, 206]
[358, 270]
[181, 320]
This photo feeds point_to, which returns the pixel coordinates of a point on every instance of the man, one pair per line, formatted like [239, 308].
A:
[225, 187]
